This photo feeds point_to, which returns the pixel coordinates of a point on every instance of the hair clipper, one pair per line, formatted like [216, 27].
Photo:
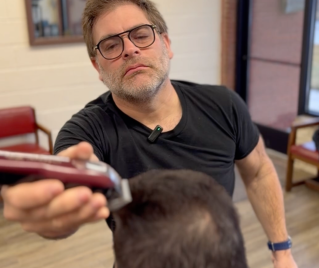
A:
[15, 167]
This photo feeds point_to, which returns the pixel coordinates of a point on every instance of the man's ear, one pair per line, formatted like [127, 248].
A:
[167, 42]
[97, 67]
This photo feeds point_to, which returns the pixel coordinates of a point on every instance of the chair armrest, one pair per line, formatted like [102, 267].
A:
[309, 122]
[48, 132]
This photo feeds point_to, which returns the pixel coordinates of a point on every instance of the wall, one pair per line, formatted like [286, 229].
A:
[59, 80]
[275, 58]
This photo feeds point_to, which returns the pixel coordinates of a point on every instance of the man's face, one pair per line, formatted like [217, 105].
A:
[138, 84]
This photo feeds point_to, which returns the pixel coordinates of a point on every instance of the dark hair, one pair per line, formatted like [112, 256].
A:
[94, 8]
[178, 219]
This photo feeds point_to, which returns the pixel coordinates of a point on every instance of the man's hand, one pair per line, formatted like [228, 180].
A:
[283, 259]
[45, 207]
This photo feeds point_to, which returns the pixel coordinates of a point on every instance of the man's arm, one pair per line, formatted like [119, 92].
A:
[265, 194]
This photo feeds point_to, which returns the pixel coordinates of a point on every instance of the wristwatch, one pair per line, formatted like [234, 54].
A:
[281, 245]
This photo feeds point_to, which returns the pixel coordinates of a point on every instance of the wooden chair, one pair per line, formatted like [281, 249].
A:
[22, 121]
[305, 152]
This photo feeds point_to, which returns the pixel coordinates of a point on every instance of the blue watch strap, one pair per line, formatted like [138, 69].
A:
[281, 245]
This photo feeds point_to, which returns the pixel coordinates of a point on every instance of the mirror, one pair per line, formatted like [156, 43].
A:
[54, 21]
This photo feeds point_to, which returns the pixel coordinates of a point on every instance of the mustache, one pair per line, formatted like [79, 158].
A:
[145, 62]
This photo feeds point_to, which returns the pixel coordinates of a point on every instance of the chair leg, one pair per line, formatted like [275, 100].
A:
[290, 166]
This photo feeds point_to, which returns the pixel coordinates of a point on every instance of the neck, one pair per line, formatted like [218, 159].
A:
[164, 109]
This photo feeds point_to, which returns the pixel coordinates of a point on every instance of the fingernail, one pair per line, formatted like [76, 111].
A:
[103, 213]
[55, 190]
[84, 196]
[96, 203]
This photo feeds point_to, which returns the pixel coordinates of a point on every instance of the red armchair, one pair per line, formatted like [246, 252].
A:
[21, 121]
[305, 152]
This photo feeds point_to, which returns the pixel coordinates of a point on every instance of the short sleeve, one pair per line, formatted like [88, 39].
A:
[247, 134]
[83, 126]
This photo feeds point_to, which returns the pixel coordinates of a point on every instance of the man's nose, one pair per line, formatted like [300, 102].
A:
[130, 50]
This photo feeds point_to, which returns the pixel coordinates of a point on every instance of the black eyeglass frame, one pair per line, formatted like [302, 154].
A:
[153, 27]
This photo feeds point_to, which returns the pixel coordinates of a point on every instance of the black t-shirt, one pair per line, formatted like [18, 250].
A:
[214, 131]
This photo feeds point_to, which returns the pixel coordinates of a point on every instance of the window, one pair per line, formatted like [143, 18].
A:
[309, 84]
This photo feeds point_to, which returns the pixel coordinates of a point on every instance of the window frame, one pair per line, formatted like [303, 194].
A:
[307, 57]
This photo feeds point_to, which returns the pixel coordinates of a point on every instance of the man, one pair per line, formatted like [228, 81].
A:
[180, 219]
[205, 128]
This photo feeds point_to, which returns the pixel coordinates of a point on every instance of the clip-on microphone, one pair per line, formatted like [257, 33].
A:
[155, 133]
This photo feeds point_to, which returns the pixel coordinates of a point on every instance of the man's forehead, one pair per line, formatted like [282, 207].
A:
[120, 18]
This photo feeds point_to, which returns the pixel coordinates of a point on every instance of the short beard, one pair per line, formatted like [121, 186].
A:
[143, 92]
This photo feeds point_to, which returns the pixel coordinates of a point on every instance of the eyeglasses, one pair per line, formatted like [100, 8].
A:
[112, 47]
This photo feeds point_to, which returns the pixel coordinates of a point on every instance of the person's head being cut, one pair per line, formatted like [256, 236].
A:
[178, 219]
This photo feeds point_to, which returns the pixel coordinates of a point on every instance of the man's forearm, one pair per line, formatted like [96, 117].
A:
[265, 195]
